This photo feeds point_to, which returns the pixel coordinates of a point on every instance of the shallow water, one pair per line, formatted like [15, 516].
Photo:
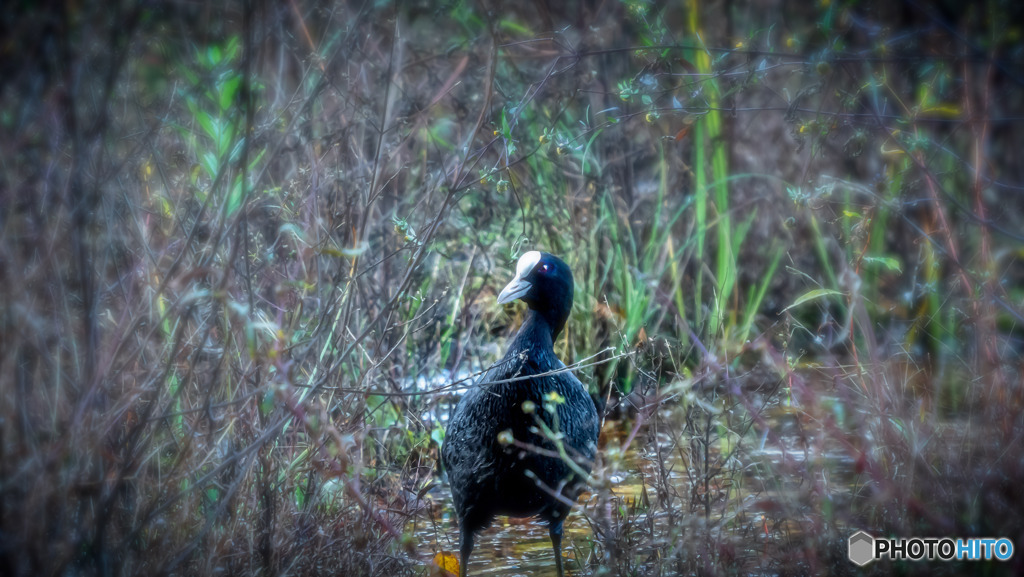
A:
[513, 547]
[521, 547]
[510, 546]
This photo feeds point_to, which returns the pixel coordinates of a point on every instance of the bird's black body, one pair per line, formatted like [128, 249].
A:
[489, 477]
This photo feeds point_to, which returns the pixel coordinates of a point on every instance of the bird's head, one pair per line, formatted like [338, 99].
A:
[544, 282]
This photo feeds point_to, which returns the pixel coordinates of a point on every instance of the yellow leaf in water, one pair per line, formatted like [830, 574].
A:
[448, 563]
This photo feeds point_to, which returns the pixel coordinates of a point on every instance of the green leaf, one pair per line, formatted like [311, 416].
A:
[210, 163]
[255, 161]
[209, 124]
[515, 27]
[593, 161]
[235, 197]
[228, 90]
[437, 435]
[225, 137]
[888, 262]
[811, 295]
[236, 152]
[506, 130]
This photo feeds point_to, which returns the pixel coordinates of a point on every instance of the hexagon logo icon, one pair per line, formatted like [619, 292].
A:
[861, 548]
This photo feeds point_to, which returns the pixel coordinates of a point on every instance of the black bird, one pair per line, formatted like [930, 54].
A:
[488, 474]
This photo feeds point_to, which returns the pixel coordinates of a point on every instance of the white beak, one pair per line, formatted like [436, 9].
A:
[519, 287]
[515, 289]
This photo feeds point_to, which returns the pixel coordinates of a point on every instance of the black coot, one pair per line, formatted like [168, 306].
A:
[488, 475]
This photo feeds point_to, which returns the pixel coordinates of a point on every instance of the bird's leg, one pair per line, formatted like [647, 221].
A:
[465, 548]
[556, 543]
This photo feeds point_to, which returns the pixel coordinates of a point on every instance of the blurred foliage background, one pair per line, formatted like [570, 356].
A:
[250, 252]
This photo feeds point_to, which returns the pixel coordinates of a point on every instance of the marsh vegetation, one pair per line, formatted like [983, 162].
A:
[250, 253]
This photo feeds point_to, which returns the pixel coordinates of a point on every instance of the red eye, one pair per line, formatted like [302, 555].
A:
[545, 268]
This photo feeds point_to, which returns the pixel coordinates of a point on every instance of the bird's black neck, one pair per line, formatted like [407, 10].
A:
[538, 331]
